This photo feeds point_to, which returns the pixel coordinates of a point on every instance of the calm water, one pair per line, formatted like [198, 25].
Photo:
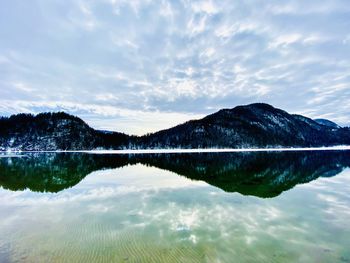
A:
[239, 207]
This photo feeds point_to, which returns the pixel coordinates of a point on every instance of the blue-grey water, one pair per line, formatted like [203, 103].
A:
[212, 207]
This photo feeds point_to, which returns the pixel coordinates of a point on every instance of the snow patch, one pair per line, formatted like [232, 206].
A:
[210, 150]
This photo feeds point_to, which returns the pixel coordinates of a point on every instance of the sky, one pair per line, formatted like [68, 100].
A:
[137, 66]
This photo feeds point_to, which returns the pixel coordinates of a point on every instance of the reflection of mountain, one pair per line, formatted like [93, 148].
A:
[259, 174]
[52, 172]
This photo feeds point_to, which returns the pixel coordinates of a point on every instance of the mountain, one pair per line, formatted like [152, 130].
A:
[249, 126]
[254, 125]
[327, 123]
[54, 131]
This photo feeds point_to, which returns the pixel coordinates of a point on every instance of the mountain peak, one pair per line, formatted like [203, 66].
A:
[327, 123]
[259, 105]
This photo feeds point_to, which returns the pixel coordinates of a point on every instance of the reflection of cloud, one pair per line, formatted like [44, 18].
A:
[335, 207]
[99, 208]
[157, 208]
[334, 195]
[101, 185]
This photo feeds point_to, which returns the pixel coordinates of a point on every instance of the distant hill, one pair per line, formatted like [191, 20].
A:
[250, 126]
[327, 123]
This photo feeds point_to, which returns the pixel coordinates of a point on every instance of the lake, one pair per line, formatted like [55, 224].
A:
[179, 207]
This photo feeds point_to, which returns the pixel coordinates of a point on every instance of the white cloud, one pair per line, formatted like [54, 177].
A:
[187, 88]
[197, 25]
[285, 40]
[166, 9]
[226, 30]
[205, 6]
[22, 87]
[209, 52]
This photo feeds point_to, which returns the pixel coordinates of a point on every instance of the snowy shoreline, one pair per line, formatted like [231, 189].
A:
[209, 150]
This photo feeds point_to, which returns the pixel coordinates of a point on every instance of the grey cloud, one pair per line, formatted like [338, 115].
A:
[179, 57]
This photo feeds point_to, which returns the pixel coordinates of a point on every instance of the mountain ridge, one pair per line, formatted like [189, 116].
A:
[247, 126]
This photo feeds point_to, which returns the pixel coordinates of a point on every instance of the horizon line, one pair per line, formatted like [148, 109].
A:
[199, 150]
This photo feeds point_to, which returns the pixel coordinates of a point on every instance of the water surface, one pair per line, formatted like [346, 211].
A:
[202, 207]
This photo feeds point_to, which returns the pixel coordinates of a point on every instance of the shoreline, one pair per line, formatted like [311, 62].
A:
[202, 150]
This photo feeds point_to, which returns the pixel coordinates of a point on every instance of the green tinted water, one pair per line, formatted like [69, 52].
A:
[241, 207]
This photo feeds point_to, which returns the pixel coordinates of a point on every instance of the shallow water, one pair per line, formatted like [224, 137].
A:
[203, 207]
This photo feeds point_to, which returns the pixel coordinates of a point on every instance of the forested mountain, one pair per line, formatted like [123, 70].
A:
[54, 131]
[254, 125]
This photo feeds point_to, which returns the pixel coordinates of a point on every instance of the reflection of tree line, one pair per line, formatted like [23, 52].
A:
[52, 172]
[259, 174]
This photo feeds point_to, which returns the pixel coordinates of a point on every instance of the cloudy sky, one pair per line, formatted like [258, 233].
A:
[138, 65]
